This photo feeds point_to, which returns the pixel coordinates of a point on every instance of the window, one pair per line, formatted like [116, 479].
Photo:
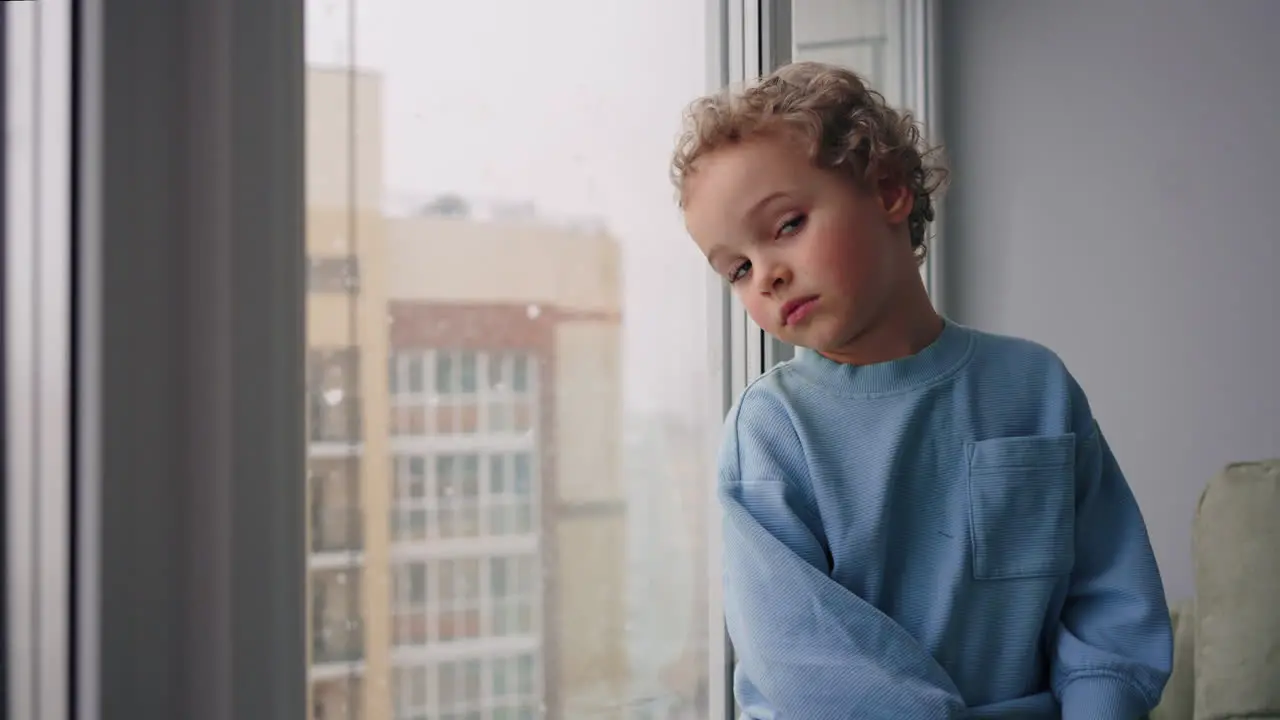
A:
[410, 694]
[456, 601]
[508, 372]
[511, 595]
[445, 375]
[409, 604]
[457, 402]
[335, 505]
[334, 412]
[871, 37]
[336, 627]
[458, 495]
[510, 498]
[496, 687]
[459, 608]
[533, 463]
[465, 495]
[337, 699]
[494, 269]
[333, 275]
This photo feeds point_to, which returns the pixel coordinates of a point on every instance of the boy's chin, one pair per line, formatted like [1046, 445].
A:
[833, 342]
[809, 341]
[821, 334]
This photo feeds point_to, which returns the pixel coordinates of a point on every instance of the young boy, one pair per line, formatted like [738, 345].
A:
[920, 520]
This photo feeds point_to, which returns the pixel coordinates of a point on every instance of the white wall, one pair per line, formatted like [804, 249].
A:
[1114, 196]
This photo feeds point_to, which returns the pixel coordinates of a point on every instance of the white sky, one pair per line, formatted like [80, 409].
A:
[572, 104]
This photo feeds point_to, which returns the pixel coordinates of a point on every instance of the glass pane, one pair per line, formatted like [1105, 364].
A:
[866, 36]
[508, 393]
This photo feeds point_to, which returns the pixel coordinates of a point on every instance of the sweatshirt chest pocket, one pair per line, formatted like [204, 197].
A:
[1022, 506]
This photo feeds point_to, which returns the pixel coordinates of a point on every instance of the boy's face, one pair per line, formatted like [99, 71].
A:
[814, 258]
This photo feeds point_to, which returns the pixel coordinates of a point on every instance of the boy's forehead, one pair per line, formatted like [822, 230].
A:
[735, 178]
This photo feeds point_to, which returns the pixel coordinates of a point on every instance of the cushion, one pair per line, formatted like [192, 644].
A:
[1178, 700]
[1237, 612]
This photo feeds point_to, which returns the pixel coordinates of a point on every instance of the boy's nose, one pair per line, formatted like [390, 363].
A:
[776, 277]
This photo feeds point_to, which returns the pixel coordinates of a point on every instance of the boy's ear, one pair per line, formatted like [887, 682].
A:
[897, 200]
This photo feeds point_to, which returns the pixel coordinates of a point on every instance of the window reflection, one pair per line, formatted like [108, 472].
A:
[507, 400]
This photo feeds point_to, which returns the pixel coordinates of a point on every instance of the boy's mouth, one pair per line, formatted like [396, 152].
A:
[795, 311]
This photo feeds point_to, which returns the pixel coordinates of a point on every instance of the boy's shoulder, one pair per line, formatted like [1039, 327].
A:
[1017, 354]
[1016, 371]
[767, 395]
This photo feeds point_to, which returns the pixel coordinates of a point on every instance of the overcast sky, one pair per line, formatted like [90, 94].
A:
[572, 104]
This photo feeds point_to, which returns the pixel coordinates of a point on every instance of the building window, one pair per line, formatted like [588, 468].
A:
[338, 699]
[458, 403]
[510, 500]
[511, 595]
[460, 689]
[445, 375]
[458, 616]
[335, 504]
[410, 695]
[467, 373]
[409, 603]
[337, 635]
[462, 495]
[332, 378]
[508, 372]
[515, 687]
[410, 503]
[333, 275]
[458, 495]
[535, 334]
[493, 687]
[455, 600]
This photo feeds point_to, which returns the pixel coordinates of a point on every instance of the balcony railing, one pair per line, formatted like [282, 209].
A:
[334, 642]
[336, 530]
[335, 422]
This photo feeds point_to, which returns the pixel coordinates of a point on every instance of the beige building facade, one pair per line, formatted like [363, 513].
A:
[464, 388]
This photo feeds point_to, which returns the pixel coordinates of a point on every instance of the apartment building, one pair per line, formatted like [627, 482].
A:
[348, 429]
[468, 518]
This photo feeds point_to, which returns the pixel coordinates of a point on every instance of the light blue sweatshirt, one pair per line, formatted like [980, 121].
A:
[942, 536]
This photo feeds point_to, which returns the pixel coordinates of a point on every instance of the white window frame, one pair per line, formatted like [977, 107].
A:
[189, 262]
[38, 236]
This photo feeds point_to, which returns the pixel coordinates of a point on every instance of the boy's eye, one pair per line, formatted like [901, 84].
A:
[791, 226]
[739, 271]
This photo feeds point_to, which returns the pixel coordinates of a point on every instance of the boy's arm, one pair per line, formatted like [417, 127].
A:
[807, 648]
[1115, 642]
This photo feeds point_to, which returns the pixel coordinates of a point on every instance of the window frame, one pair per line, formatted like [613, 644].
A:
[177, 253]
[187, 351]
[38, 237]
[333, 274]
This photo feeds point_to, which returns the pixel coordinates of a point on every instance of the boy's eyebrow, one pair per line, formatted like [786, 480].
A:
[764, 201]
[755, 209]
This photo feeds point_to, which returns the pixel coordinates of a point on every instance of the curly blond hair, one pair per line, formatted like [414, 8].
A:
[849, 126]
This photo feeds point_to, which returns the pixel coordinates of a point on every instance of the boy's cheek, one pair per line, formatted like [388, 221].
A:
[761, 313]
